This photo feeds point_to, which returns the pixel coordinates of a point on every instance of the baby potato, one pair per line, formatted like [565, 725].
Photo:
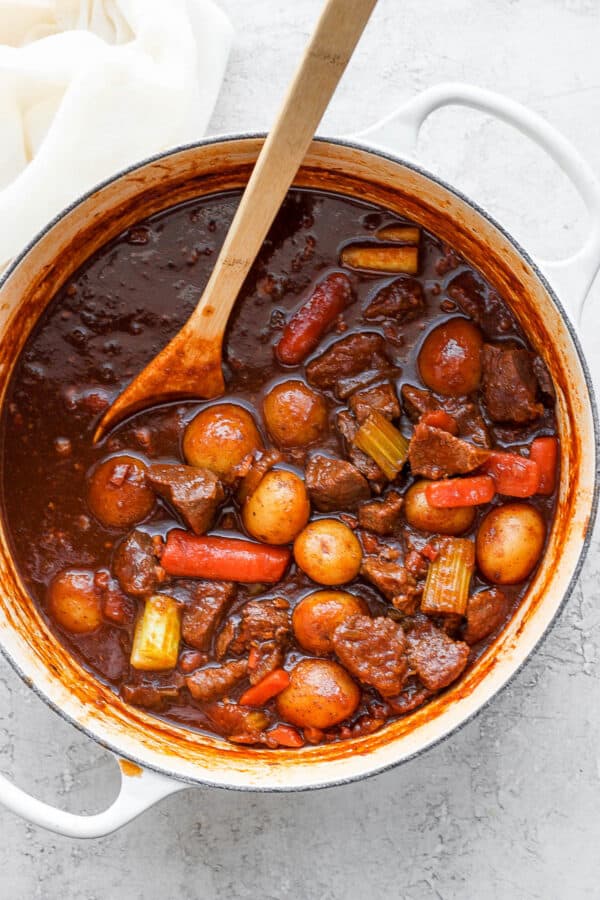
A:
[278, 509]
[317, 616]
[328, 551]
[295, 415]
[320, 694]
[420, 514]
[219, 438]
[118, 494]
[74, 603]
[450, 358]
[510, 542]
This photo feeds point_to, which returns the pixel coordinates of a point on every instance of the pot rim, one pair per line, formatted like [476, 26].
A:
[585, 545]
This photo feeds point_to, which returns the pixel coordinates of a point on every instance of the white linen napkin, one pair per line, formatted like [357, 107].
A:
[90, 86]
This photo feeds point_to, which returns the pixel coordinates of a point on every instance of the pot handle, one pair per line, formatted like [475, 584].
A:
[572, 276]
[140, 789]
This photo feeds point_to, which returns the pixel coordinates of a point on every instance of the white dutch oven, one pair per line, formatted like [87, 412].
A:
[157, 758]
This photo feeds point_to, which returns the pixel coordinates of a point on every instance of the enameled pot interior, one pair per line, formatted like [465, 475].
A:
[224, 165]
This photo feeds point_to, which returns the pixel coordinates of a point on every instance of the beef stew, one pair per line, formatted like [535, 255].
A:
[377, 484]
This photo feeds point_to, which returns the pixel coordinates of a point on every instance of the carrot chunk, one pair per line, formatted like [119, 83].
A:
[284, 736]
[222, 559]
[439, 418]
[429, 552]
[513, 474]
[306, 327]
[455, 492]
[271, 685]
[544, 452]
[313, 735]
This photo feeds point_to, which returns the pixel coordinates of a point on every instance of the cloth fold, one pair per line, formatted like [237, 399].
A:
[88, 87]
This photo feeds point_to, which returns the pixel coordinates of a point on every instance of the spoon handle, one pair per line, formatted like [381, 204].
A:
[325, 59]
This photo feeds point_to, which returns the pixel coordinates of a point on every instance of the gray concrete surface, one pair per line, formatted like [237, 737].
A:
[509, 808]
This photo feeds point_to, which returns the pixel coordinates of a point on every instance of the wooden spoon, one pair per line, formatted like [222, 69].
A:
[190, 364]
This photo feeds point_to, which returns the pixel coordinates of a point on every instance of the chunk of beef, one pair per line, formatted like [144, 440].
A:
[189, 660]
[467, 414]
[469, 293]
[269, 656]
[449, 261]
[402, 300]
[112, 649]
[369, 468]
[486, 611]
[543, 379]
[334, 484]
[394, 581]
[381, 516]
[238, 722]
[348, 426]
[381, 397]
[417, 402]
[216, 682]
[408, 603]
[204, 612]
[262, 620]
[135, 564]
[144, 695]
[509, 384]
[224, 638]
[471, 424]
[350, 383]
[498, 320]
[151, 696]
[117, 607]
[366, 724]
[348, 356]
[413, 695]
[194, 493]
[435, 657]
[451, 623]
[416, 564]
[435, 453]
[373, 650]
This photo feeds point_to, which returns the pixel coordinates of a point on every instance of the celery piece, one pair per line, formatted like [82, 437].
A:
[382, 441]
[449, 576]
[404, 234]
[157, 634]
[375, 258]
